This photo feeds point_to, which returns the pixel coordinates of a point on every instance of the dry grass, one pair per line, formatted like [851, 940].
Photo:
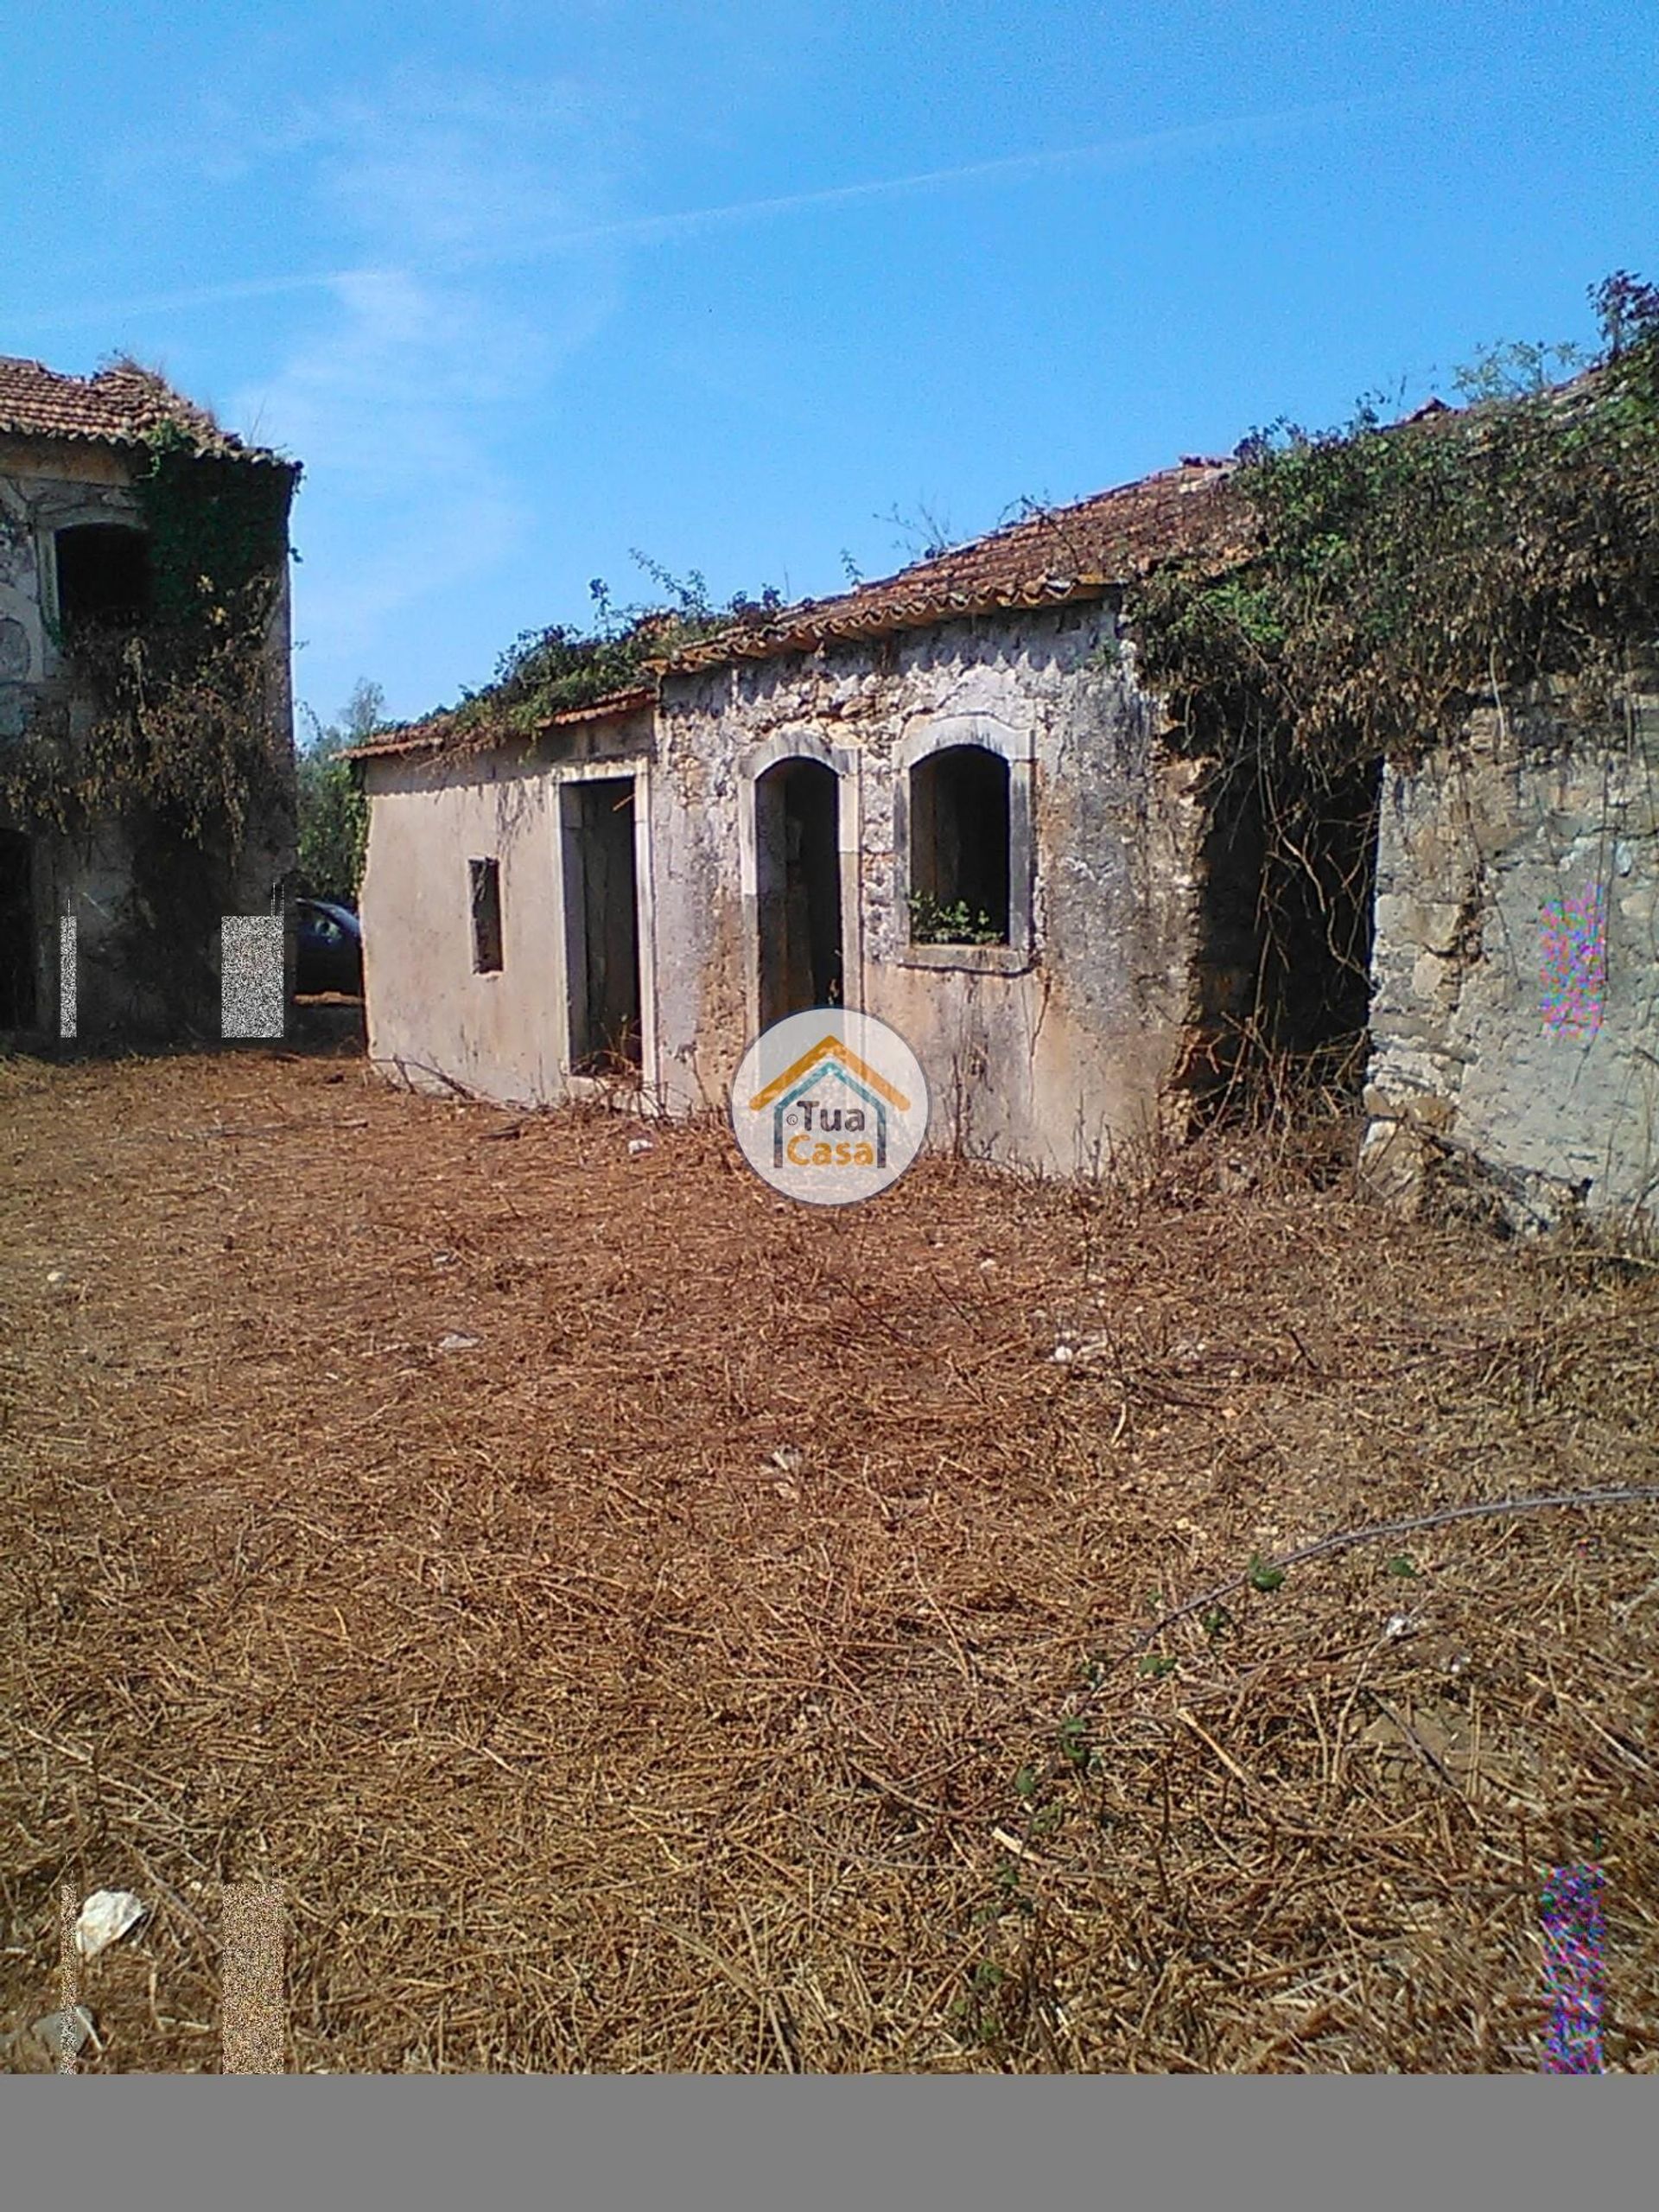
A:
[729, 1662]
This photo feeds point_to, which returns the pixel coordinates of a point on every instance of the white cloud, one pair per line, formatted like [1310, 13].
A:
[463, 247]
[410, 356]
[451, 215]
[442, 200]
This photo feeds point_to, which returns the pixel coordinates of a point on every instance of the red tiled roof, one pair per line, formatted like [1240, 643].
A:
[1049, 557]
[118, 406]
[443, 732]
[1190, 512]
[1052, 555]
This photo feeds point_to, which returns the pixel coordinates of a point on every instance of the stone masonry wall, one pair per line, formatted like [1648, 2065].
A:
[46, 485]
[1051, 1058]
[1515, 1020]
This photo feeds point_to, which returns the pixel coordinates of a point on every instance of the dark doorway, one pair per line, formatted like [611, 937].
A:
[1282, 984]
[601, 916]
[17, 1001]
[798, 883]
[959, 847]
[103, 575]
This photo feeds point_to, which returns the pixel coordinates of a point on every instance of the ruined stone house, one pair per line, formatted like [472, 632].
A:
[942, 798]
[945, 799]
[84, 949]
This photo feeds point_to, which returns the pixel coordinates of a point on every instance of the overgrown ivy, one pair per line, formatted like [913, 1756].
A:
[1403, 571]
[181, 724]
[544, 672]
[180, 745]
[1400, 575]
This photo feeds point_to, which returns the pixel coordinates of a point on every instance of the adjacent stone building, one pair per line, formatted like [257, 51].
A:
[1514, 1016]
[80, 953]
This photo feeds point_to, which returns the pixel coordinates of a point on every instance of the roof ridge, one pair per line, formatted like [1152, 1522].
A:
[938, 588]
[120, 403]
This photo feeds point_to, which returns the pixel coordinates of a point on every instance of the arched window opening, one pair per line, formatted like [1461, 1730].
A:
[798, 868]
[960, 840]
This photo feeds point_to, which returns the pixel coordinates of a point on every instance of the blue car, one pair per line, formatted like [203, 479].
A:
[328, 949]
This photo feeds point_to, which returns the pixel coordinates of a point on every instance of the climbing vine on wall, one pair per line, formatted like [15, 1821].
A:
[1400, 575]
[1403, 571]
[169, 729]
[181, 728]
[545, 671]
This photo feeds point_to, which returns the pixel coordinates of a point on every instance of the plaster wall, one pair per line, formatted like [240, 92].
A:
[1515, 1019]
[430, 1017]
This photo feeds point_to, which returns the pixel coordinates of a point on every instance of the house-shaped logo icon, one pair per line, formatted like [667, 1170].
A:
[830, 1102]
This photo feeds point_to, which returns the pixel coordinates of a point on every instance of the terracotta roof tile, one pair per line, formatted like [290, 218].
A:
[443, 733]
[1047, 558]
[116, 407]
[1052, 555]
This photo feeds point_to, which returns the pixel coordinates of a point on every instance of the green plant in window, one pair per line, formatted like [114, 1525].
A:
[931, 922]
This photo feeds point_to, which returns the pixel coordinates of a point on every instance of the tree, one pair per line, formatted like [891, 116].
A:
[333, 815]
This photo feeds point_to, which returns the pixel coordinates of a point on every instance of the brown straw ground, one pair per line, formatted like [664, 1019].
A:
[735, 1658]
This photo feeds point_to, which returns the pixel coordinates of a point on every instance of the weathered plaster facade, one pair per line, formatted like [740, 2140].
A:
[1046, 1051]
[786, 788]
[1514, 1016]
[49, 485]
[432, 1016]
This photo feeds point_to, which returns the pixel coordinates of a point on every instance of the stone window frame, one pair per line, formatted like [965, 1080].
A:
[845, 762]
[944, 734]
[53, 513]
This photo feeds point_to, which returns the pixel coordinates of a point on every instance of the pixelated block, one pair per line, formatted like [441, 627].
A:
[68, 954]
[252, 1002]
[252, 1934]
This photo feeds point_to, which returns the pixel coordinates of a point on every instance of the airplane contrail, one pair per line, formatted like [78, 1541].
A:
[1188, 138]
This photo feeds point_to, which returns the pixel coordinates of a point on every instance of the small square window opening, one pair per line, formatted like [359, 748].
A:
[102, 572]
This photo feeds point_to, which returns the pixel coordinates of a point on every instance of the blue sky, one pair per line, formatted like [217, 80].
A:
[526, 286]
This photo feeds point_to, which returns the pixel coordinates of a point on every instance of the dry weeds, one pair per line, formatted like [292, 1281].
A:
[730, 1660]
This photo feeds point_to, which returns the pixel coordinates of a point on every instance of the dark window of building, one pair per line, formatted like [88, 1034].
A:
[103, 575]
[486, 916]
[959, 847]
[16, 932]
[797, 857]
